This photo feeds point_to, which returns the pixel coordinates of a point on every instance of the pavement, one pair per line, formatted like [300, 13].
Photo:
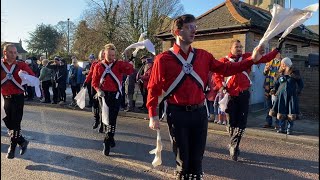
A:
[305, 130]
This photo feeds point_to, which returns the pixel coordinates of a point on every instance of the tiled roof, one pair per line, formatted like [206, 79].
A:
[18, 46]
[234, 15]
[314, 28]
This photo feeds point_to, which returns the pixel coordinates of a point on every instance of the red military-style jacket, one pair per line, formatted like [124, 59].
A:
[166, 69]
[120, 67]
[89, 76]
[9, 88]
[240, 81]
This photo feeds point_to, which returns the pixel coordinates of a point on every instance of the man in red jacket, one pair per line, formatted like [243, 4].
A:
[13, 94]
[106, 80]
[95, 101]
[238, 88]
[182, 73]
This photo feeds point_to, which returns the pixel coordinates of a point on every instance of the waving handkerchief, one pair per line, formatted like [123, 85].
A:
[30, 81]
[157, 151]
[284, 20]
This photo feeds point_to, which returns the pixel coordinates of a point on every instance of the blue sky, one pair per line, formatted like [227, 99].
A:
[19, 17]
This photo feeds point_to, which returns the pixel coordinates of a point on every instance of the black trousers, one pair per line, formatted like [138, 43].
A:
[13, 107]
[55, 92]
[30, 92]
[45, 87]
[144, 96]
[188, 131]
[75, 90]
[95, 106]
[90, 93]
[114, 106]
[237, 114]
[62, 94]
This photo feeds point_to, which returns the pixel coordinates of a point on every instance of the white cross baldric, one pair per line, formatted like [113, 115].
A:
[243, 72]
[108, 70]
[187, 68]
[10, 76]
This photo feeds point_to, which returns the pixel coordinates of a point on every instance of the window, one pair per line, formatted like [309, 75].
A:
[290, 50]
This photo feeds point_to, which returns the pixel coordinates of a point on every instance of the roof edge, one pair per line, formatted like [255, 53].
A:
[209, 11]
[235, 13]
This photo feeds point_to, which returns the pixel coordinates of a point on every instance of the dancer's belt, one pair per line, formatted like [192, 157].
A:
[12, 96]
[186, 108]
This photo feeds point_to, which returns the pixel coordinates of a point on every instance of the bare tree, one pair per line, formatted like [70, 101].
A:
[62, 28]
[122, 21]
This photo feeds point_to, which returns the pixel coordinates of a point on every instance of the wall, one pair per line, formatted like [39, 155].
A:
[309, 99]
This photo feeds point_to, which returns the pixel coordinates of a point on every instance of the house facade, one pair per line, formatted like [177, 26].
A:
[22, 54]
[234, 19]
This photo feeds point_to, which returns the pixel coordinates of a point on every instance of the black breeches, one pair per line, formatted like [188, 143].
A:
[14, 111]
[114, 106]
[188, 131]
[237, 110]
[91, 93]
[95, 105]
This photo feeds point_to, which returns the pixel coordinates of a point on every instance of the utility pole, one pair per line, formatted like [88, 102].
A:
[68, 36]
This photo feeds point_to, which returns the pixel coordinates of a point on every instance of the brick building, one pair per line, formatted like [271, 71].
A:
[234, 19]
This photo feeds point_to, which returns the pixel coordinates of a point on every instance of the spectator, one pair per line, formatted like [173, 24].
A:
[270, 71]
[145, 78]
[62, 81]
[129, 90]
[221, 114]
[76, 79]
[29, 89]
[140, 81]
[45, 79]
[210, 95]
[85, 72]
[286, 89]
[54, 66]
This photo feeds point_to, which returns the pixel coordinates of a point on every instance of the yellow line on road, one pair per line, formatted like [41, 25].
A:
[141, 166]
[218, 132]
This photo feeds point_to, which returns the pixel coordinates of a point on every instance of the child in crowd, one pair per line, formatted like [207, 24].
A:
[221, 114]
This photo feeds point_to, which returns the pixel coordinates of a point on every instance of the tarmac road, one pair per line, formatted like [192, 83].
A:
[64, 146]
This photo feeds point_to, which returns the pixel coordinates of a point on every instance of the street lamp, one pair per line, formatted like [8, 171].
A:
[68, 35]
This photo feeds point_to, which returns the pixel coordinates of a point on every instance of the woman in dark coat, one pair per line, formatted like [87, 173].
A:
[286, 90]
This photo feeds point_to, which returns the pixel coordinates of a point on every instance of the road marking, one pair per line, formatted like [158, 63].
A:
[144, 167]
[218, 132]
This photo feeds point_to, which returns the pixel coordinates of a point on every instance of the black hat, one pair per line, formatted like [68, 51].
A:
[56, 58]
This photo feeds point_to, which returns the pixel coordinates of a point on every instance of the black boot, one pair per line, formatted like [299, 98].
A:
[111, 129]
[234, 153]
[101, 128]
[196, 176]
[95, 124]
[23, 147]
[112, 142]
[11, 150]
[106, 146]
[181, 176]
[235, 143]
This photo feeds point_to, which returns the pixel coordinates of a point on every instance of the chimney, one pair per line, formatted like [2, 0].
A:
[20, 42]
